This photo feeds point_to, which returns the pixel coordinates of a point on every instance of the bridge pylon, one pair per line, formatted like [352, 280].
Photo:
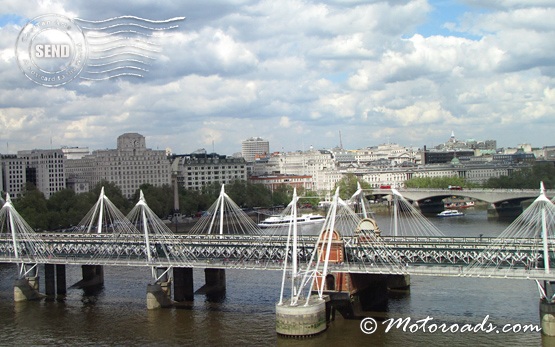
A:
[345, 243]
[106, 221]
[160, 246]
[407, 220]
[225, 217]
[26, 249]
[526, 247]
[292, 317]
[359, 202]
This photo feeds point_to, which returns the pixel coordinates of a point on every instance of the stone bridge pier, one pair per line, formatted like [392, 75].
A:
[27, 288]
[353, 294]
[159, 294]
[92, 276]
[55, 280]
[215, 284]
[183, 286]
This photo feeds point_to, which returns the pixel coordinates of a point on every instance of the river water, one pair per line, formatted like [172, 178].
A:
[117, 314]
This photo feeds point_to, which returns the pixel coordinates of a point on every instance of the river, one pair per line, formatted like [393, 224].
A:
[117, 314]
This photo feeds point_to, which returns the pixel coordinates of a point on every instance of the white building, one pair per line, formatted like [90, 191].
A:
[75, 152]
[128, 167]
[548, 153]
[45, 169]
[395, 177]
[195, 170]
[318, 164]
[274, 182]
[12, 175]
[253, 147]
[389, 154]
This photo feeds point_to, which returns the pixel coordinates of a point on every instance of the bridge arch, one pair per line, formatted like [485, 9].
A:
[507, 202]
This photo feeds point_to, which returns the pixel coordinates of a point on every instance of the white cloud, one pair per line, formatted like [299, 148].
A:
[285, 122]
[296, 72]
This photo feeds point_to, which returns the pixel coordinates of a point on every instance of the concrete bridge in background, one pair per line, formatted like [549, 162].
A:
[506, 202]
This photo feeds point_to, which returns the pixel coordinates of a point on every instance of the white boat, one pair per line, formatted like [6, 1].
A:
[277, 221]
[450, 213]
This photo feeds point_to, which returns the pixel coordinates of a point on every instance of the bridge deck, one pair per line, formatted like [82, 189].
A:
[423, 256]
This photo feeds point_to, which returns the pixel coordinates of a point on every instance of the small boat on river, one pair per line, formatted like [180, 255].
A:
[450, 213]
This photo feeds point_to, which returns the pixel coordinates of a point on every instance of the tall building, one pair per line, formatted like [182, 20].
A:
[195, 170]
[312, 163]
[45, 169]
[75, 152]
[128, 167]
[549, 152]
[12, 175]
[253, 147]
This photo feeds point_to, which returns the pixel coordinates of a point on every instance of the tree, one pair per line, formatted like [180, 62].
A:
[113, 192]
[237, 191]
[66, 209]
[282, 195]
[437, 182]
[191, 201]
[525, 178]
[308, 197]
[159, 199]
[348, 185]
[31, 205]
[212, 191]
[258, 195]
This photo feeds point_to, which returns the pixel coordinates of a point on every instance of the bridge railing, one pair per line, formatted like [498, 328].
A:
[452, 251]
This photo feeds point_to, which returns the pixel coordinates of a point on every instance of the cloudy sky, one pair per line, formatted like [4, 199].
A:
[298, 73]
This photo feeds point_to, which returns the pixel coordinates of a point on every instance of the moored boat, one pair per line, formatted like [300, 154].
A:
[460, 204]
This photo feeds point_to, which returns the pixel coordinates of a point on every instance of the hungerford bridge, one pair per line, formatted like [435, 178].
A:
[348, 253]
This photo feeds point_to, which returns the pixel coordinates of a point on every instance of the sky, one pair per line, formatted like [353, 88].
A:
[296, 73]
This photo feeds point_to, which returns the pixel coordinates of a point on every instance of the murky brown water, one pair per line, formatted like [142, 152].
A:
[117, 314]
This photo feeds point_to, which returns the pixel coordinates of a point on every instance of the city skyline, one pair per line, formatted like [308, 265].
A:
[297, 74]
[442, 145]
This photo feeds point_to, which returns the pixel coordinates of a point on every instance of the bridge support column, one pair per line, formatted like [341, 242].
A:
[61, 286]
[369, 292]
[508, 210]
[158, 295]
[49, 280]
[302, 320]
[93, 275]
[353, 293]
[547, 310]
[54, 280]
[183, 289]
[431, 206]
[214, 282]
[27, 288]
[547, 317]
[398, 282]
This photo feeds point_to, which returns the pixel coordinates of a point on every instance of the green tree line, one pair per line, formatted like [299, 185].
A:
[525, 178]
[66, 208]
